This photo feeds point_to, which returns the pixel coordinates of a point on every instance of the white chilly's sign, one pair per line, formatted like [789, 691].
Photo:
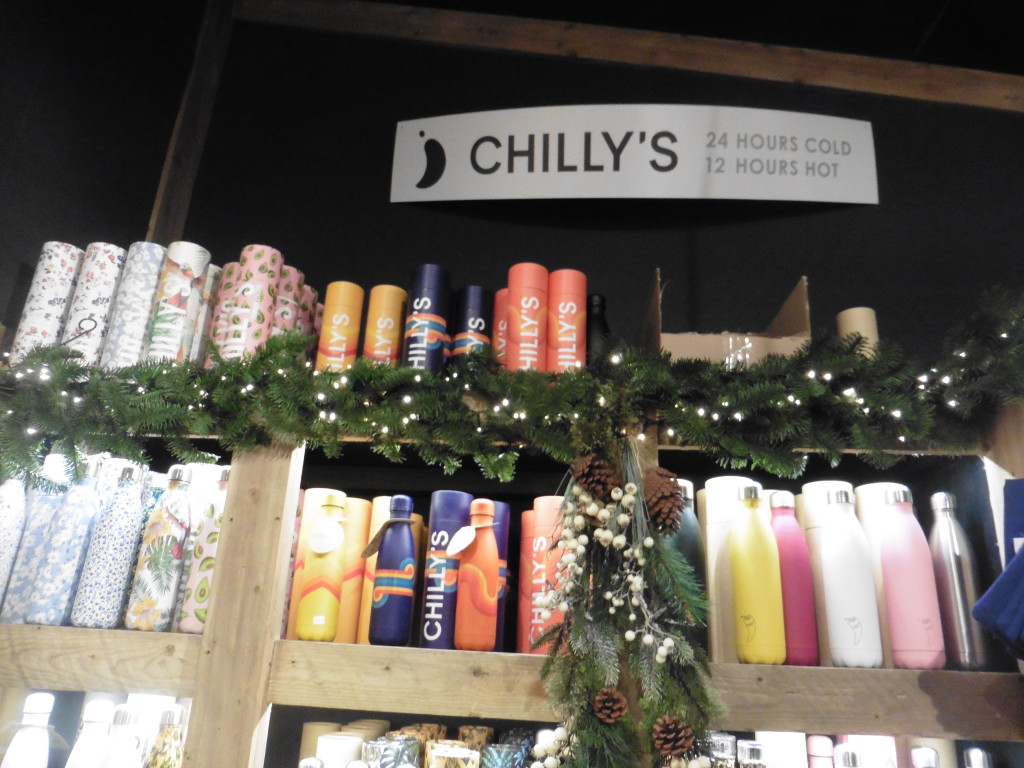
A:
[635, 150]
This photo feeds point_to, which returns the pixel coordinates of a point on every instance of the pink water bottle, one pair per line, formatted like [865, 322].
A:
[911, 599]
[797, 583]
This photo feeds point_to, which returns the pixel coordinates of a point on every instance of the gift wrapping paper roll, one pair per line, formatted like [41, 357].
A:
[476, 736]
[307, 311]
[200, 314]
[311, 732]
[357, 536]
[251, 306]
[500, 756]
[184, 265]
[12, 524]
[129, 317]
[222, 304]
[337, 750]
[288, 302]
[862, 321]
[49, 298]
[89, 314]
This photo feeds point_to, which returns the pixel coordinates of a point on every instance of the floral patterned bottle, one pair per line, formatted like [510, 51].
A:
[201, 564]
[166, 751]
[12, 524]
[112, 554]
[61, 561]
[161, 557]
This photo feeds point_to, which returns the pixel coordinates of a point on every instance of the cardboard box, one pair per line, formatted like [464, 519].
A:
[785, 335]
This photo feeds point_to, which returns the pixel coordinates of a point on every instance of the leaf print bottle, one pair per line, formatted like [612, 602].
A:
[161, 557]
[67, 539]
[109, 561]
[204, 556]
[167, 749]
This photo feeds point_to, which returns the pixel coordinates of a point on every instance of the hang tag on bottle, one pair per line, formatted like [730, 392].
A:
[374, 546]
[463, 537]
[326, 537]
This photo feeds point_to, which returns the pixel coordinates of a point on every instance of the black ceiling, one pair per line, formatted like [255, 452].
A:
[975, 34]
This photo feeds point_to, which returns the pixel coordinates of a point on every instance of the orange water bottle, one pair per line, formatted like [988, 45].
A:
[476, 606]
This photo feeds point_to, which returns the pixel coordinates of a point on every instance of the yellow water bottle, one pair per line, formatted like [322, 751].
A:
[323, 573]
[757, 584]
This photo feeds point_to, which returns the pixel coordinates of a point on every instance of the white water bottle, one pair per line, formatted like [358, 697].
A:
[93, 739]
[844, 581]
[30, 747]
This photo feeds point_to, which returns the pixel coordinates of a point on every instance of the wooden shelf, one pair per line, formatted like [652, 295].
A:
[72, 659]
[499, 686]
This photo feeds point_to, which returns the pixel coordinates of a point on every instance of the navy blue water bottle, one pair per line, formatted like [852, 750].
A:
[449, 511]
[426, 339]
[394, 583]
[502, 517]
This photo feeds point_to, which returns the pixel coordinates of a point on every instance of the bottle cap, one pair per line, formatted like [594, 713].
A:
[98, 711]
[129, 473]
[596, 302]
[924, 757]
[975, 757]
[92, 466]
[749, 751]
[845, 757]
[344, 293]
[401, 504]
[897, 496]
[942, 501]
[529, 275]
[749, 492]
[316, 762]
[179, 472]
[567, 281]
[38, 704]
[124, 714]
[819, 746]
[225, 474]
[483, 507]
[839, 497]
[685, 488]
[782, 499]
[336, 499]
[171, 715]
[722, 744]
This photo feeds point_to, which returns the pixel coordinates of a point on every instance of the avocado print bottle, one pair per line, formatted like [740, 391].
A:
[204, 558]
[395, 578]
[161, 557]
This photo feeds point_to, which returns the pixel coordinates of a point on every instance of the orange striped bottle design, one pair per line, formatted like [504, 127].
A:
[323, 573]
[476, 608]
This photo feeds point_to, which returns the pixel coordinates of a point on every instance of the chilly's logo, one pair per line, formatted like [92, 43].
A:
[856, 628]
[436, 162]
[751, 625]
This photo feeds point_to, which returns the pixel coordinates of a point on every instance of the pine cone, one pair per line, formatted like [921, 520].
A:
[664, 502]
[609, 705]
[672, 736]
[595, 475]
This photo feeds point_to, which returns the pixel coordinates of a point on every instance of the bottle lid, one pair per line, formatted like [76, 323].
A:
[941, 501]
[484, 507]
[685, 488]
[124, 714]
[316, 762]
[93, 465]
[839, 497]
[846, 757]
[749, 492]
[898, 496]
[782, 499]
[529, 275]
[722, 744]
[179, 473]
[225, 474]
[749, 751]
[924, 757]
[819, 746]
[334, 499]
[595, 301]
[567, 281]
[343, 292]
[401, 504]
[98, 711]
[38, 704]
[129, 473]
[171, 715]
[975, 757]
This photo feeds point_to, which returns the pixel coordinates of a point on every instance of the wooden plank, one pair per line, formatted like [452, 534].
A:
[951, 705]
[800, 66]
[181, 163]
[503, 686]
[73, 659]
[246, 606]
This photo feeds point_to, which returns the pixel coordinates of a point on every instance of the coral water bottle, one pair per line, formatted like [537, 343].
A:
[797, 582]
[476, 613]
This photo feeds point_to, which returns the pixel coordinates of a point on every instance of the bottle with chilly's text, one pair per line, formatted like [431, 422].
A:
[385, 316]
[844, 582]
[797, 582]
[339, 333]
[425, 341]
[476, 615]
[538, 570]
[567, 320]
[395, 578]
[471, 327]
[449, 511]
[527, 313]
[757, 584]
[324, 571]
[499, 327]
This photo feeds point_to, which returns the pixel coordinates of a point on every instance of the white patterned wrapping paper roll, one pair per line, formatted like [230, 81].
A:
[12, 524]
[184, 266]
[129, 318]
[49, 296]
[86, 324]
[200, 316]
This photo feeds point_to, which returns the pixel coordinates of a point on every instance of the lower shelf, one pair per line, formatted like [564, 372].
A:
[507, 686]
[72, 659]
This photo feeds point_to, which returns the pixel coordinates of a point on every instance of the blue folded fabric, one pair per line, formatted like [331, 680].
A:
[1001, 608]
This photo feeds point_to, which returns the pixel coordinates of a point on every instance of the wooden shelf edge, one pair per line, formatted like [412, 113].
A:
[499, 686]
[935, 703]
[73, 659]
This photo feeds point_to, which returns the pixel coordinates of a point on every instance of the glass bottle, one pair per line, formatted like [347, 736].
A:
[63, 555]
[113, 551]
[161, 557]
[167, 749]
[30, 747]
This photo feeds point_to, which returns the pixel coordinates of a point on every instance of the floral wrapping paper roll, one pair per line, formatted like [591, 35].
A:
[200, 314]
[49, 297]
[85, 327]
[288, 303]
[221, 309]
[183, 268]
[12, 525]
[250, 308]
[129, 317]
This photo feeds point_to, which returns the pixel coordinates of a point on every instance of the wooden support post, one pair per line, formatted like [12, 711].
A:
[246, 607]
